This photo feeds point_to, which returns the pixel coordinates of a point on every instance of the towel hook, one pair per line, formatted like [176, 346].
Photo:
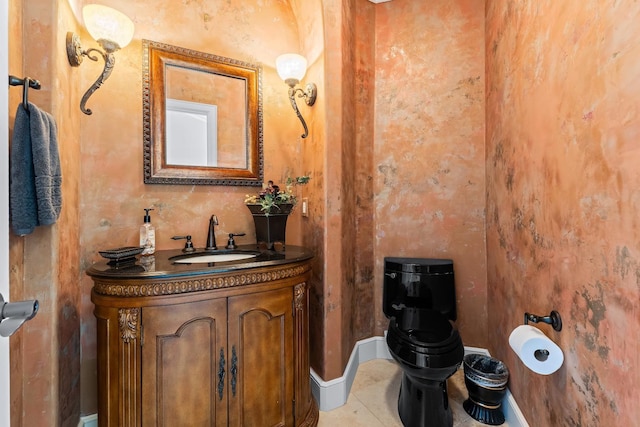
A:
[25, 93]
[27, 83]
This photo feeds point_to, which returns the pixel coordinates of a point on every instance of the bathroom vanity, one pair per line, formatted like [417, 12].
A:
[204, 344]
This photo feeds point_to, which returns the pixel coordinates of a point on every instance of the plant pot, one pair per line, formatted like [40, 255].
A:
[271, 226]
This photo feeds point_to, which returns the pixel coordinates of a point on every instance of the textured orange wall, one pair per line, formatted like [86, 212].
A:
[339, 227]
[428, 149]
[16, 244]
[338, 189]
[45, 352]
[363, 93]
[563, 126]
[312, 153]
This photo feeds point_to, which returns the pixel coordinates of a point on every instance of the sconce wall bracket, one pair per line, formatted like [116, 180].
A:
[74, 49]
[75, 54]
[309, 94]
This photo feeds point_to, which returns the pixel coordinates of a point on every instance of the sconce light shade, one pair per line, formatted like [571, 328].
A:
[291, 68]
[112, 30]
[104, 23]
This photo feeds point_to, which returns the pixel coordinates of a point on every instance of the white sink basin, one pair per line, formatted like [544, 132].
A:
[207, 258]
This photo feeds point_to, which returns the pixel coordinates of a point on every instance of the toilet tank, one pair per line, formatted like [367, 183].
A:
[419, 283]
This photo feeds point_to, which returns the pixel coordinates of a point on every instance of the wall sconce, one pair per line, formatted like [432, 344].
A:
[112, 30]
[292, 68]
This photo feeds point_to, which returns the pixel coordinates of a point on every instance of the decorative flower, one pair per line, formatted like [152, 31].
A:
[271, 197]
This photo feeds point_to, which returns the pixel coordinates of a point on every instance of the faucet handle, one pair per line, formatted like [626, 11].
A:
[188, 246]
[231, 244]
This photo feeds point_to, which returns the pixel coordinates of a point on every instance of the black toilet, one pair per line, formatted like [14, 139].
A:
[420, 301]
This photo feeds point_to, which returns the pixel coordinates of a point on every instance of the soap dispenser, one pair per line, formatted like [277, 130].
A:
[147, 234]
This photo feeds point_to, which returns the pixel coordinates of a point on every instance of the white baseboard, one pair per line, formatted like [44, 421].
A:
[333, 394]
[89, 421]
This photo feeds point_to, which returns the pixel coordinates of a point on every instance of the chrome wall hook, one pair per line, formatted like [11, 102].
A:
[552, 319]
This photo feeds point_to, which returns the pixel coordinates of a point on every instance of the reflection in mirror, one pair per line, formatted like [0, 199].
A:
[195, 125]
[202, 118]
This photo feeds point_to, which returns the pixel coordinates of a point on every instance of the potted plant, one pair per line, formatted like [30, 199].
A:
[270, 209]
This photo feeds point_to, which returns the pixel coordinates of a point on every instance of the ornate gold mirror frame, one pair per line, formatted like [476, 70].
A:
[202, 118]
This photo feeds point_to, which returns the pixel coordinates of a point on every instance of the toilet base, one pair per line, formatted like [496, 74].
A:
[424, 403]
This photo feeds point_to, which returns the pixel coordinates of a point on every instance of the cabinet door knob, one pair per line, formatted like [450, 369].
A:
[221, 373]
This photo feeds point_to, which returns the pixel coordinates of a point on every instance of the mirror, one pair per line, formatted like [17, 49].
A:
[202, 118]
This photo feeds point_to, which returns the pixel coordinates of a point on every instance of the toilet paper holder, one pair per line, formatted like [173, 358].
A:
[552, 319]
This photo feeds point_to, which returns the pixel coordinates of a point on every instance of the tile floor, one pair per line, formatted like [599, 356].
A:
[373, 399]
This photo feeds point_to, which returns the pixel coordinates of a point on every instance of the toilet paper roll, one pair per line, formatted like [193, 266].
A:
[536, 350]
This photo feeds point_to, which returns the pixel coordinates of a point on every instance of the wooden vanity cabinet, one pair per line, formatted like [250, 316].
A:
[230, 356]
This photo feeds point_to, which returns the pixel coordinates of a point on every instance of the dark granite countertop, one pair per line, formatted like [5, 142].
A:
[162, 264]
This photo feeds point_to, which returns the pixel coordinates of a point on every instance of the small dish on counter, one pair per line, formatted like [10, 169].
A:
[123, 254]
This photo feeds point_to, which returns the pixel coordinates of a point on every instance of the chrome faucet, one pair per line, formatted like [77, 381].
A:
[211, 236]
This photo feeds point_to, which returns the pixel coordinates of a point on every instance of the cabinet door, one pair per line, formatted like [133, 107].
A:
[261, 359]
[184, 364]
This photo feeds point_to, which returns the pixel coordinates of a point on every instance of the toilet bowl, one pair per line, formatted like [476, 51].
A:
[419, 300]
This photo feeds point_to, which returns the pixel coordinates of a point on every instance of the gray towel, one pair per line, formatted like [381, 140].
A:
[35, 189]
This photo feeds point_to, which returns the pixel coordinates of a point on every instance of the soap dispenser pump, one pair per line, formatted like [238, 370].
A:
[147, 234]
